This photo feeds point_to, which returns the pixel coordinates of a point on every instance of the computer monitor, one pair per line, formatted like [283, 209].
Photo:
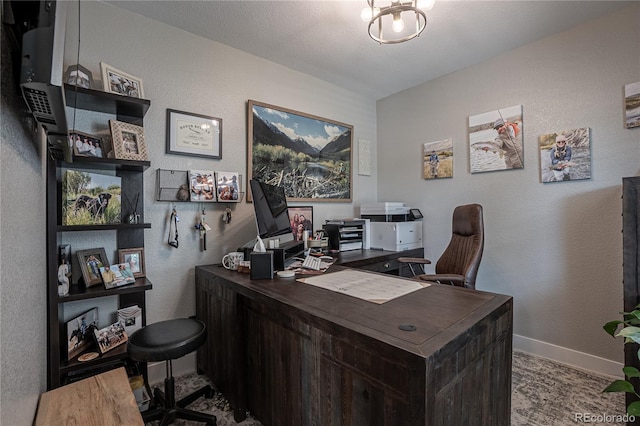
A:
[270, 206]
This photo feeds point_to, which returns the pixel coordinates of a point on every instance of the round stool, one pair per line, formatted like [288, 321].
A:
[166, 341]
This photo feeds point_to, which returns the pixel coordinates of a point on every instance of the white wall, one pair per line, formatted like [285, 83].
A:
[555, 247]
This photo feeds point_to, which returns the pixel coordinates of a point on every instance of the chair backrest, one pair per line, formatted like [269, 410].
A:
[464, 252]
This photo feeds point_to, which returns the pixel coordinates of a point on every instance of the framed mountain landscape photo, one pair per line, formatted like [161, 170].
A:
[310, 156]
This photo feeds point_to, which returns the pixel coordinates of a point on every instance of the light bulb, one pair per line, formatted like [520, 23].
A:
[398, 23]
[425, 4]
[366, 13]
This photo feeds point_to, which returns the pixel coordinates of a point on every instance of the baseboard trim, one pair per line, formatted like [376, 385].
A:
[568, 356]
[158, 370]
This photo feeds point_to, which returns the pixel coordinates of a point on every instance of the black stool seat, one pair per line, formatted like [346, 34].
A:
[166, 341]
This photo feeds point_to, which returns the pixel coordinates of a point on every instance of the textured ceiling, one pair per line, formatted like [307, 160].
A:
[328, 40]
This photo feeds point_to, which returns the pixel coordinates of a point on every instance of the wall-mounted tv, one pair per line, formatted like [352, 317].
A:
[270, 205]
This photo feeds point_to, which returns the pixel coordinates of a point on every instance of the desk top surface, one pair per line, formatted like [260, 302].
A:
[104, 399]
[439, 313]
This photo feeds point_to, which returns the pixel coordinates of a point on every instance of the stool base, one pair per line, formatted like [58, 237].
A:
[168, 409]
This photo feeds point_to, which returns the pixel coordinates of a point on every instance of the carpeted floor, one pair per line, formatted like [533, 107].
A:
[544, 393]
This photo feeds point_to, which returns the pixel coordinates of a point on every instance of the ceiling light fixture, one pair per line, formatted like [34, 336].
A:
[387, 23]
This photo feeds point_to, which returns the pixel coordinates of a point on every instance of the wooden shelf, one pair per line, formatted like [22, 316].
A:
[111, 226]
[115, 354]
[77, 292]
[109, 103]
[105, 164]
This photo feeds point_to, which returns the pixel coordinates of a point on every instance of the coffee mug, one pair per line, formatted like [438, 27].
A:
[231, 260]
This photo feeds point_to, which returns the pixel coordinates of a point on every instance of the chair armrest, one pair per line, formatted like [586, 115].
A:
[451, 279]
[419, 260]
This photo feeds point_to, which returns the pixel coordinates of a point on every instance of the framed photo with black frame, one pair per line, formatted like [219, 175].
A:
[80, 332]
[90, 263]
[301, 220]
[77, 75]
[195, 135]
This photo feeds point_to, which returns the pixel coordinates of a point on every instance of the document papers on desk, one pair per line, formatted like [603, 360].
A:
[376, 288]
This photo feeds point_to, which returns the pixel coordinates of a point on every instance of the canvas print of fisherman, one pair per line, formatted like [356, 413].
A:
[565, 156]
[632, 105]
[437, 158]
[495, 140]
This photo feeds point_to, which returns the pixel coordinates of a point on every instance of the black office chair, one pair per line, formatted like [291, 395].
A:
[460, 261]
[166, 341]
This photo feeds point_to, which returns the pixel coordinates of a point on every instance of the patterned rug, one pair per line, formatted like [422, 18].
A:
[543, 393]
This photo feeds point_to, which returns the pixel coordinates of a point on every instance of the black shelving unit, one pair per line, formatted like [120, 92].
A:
[131, 110]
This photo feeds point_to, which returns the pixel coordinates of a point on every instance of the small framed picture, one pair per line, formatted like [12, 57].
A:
[116, 275]
[128, 141]
[121, 83]
[134, 257]
[86, 145]
[228, 186]
[77, 75]
[90, 263]
[80, 332]
[301, 218]
[194, 134]
[202, 186]
[110, 337]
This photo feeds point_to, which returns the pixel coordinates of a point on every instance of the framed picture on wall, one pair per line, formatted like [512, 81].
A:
[495, 140]
[310, 156]
[437, 159]
[194, 134]
[565, 155]
[301, 220]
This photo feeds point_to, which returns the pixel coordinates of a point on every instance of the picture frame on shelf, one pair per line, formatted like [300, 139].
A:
[90, 198]
[134, 257]
[128, 141]
[116, 275]
[194, 135]
[91, 261]
[202, 187]
[120, 82]
[77, 75]
[301, 220]
[311, 156]
[86, 145]
[110, 336]
[80, 332]
[228, 186]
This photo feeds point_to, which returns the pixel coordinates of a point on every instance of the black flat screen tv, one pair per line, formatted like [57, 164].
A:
[270, 205]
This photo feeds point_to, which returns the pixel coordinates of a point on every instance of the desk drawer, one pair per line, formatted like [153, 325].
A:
[385, 266]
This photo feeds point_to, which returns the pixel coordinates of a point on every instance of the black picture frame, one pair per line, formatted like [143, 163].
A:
[79, 340]
[195, 135]
[77, 75]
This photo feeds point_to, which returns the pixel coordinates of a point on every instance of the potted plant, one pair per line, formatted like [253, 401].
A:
[631, 332]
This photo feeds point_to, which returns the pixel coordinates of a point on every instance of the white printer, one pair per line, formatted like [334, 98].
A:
[392, 226]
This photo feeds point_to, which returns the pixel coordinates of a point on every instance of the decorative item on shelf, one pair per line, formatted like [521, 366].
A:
[128, 141]
[64, 269]
[77, 75]
[183, 193]
[121, 83]
[386, 23]
[80, 332]
[90, 263]
[131, 318]
[202, 186]
[228, 186]
[134, 257]
[193, 134]
[90, 198]
[324, 175]
[133, 218]
[110, 337]
[116, 275]
[86, 145]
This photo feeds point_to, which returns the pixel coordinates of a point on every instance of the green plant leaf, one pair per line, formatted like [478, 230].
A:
[630, 333]
[631, 372]
[611, 327]
[620, 386]
[634, 409]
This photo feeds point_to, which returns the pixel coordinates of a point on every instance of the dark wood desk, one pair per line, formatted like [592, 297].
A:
[296, 354]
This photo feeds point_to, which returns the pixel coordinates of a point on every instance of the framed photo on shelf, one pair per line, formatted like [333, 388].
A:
[128, 141]
[301, 220]
[110, 337]
[134, 257]
[121, 83]
[116, 275]
[80, 332]
[194, 134]
[86, 145]
[201, 186]
[309, 155]
[90, 263]
[228, 186]
[77, 75]
[90, 198]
